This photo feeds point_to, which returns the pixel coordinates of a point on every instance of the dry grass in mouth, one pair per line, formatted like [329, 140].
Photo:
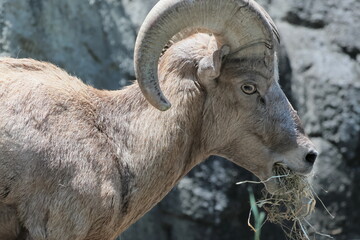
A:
[292, 202]
[289, 206]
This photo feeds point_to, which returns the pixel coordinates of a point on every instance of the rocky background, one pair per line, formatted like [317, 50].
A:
[320, 72]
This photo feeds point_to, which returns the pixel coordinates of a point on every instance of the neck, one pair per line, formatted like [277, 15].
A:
[157, 148]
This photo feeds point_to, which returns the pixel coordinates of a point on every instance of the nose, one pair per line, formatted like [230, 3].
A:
[311, 157]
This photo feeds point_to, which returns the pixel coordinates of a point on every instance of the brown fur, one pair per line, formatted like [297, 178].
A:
[83, 164]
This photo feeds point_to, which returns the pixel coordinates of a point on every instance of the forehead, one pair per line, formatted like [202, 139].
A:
[261, 66]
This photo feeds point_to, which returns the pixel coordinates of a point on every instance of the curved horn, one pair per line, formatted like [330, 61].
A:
[240, 22]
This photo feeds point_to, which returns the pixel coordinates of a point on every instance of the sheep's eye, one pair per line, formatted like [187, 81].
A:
[248, 88]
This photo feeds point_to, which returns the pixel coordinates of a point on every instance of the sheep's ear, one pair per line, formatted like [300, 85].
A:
[210, 66]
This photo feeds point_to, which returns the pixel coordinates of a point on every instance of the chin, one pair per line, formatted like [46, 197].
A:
[271, 186]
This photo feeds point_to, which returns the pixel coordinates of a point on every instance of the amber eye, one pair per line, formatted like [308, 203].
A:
[248, 88]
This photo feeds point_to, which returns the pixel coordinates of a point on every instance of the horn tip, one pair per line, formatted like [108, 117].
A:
[164, 106]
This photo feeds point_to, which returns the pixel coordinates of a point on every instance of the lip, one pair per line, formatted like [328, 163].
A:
[301, 171]
[305, 170]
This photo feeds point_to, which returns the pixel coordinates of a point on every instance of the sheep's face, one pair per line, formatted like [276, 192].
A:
[248, 119]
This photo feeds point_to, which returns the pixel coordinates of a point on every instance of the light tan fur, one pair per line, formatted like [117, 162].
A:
[77, 163]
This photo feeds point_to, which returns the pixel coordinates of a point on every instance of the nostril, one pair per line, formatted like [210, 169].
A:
[311, 157]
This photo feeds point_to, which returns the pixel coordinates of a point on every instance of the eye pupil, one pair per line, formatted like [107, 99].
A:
[248, 89]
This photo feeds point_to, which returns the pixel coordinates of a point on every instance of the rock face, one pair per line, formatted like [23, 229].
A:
[93, 39]
[320, 72]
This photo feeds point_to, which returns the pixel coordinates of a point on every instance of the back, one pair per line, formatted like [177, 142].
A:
[44, 112]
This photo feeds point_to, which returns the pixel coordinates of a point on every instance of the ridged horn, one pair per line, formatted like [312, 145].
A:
[239, 22]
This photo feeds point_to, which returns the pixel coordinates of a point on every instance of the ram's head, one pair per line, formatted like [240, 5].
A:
[231, 48]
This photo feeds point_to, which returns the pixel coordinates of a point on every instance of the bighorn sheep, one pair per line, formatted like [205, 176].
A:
[84, 164]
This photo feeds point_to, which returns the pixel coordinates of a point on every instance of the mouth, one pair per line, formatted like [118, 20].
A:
[283, 178]
[291, 196]
[299, 169]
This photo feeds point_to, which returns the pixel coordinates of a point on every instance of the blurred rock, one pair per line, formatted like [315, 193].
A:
[93, 39]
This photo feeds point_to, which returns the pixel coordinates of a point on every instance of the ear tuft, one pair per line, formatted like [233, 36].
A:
[225, 50]
[210, 66]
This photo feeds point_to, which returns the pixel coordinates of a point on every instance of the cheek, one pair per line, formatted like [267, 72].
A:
[248, 103]
[259, 129]
[251, 154]
[278, 135]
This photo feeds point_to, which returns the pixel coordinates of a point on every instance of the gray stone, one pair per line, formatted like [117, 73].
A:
[93, 40]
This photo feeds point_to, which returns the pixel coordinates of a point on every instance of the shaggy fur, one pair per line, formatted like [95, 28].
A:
[77, 163]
